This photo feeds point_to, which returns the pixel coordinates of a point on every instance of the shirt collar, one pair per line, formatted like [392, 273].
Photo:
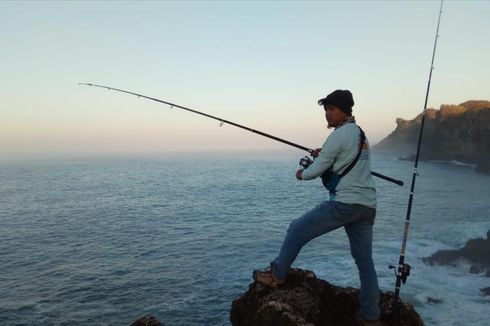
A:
[351, 119]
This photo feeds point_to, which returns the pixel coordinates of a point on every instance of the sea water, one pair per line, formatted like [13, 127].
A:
[104, 241]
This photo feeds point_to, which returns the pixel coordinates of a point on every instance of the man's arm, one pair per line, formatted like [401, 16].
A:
[326, 157]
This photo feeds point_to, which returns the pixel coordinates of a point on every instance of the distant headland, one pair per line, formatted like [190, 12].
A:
[452, 133]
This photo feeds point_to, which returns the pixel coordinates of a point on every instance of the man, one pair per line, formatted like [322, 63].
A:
[352, 203]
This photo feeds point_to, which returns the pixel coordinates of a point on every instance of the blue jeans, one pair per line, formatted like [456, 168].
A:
[358, 222]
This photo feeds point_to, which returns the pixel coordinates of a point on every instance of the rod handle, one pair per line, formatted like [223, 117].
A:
[398, 182]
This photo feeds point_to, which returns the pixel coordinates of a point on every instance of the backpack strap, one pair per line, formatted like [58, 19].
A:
[330, 180]
[353, 163]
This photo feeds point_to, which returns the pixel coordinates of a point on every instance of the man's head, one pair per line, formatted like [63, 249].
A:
[342, 99]
[338, 106]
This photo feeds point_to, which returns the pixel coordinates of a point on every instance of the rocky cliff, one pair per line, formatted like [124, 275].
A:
[455, 132]
[305, 300]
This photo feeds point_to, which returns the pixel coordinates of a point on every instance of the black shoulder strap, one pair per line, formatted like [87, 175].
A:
[361, 145]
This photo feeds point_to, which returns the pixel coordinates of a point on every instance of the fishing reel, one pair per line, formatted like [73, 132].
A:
[404, 271]
[305, 162]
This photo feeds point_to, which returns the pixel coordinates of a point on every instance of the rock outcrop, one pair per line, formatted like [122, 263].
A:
[305, 300]
[485, 291]
[476, 252]
[147, 321]
[455, 132]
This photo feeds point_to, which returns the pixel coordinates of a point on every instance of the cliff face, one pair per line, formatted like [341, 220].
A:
[455, 132]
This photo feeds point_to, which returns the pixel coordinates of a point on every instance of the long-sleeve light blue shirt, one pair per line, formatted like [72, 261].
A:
[338, 151]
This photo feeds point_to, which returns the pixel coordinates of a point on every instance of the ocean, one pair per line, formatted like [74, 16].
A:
[104, 241]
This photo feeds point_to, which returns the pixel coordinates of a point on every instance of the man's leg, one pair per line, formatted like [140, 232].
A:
[360, 238]
[322, 219]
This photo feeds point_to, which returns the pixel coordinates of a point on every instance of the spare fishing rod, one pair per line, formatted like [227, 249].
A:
[223, 121]
[403, 268]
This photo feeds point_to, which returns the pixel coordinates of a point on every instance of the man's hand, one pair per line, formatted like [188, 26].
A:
[299, 174]
[316, 152]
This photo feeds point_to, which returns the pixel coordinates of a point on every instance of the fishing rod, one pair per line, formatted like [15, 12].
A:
[223, 121]
[404, 268]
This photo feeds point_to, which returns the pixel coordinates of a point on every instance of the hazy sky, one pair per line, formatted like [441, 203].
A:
[262, 64]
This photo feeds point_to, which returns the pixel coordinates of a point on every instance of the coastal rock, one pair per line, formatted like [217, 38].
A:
[434, 300]
[485, 291]
[483, 165]
[477, 269]
[475, 251]
[454, 132]
[147, 321]
[305, 300]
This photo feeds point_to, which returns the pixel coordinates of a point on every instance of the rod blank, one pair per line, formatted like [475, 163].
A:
[222, 121]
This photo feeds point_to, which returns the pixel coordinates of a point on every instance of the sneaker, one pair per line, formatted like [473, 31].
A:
[265, 277]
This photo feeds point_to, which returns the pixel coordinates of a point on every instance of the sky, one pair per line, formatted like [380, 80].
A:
[263, 64]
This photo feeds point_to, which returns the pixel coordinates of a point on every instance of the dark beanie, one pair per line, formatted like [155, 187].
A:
[339, 98]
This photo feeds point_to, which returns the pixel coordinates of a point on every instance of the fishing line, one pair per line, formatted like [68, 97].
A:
[404, 268]
[223, 121]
